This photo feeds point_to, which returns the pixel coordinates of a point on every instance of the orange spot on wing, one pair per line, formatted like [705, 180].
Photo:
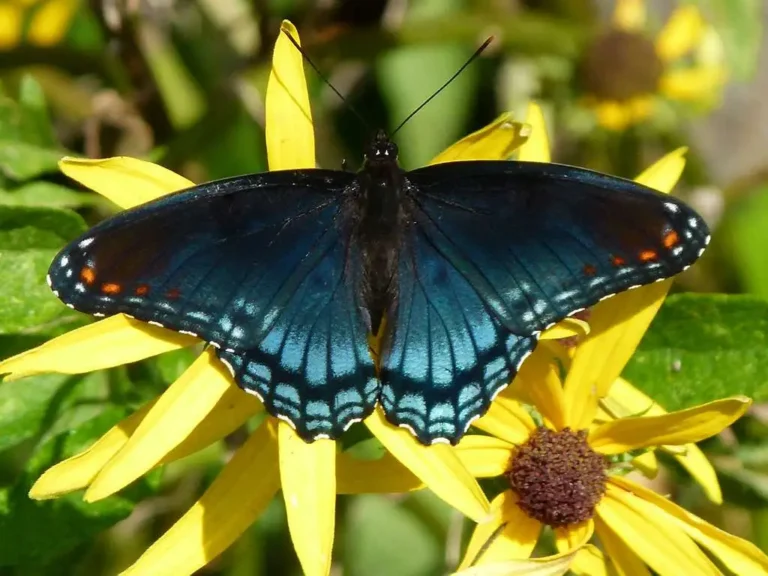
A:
[589, 270]
[647, 255]
[111, 288]
[618, 261]
[670, 239]
[142, 290]
[173, 293]
[88, 275]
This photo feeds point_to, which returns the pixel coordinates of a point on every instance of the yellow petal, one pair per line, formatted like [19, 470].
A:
[79, 471]
[633, 402]
[664, 547]
[589, 561]
[629, 15]
[11, 20]
[385, 475]
[484, 456]
[681, 34]
[509, 534]
[50, 22]
[308, 479]
[496, 141]
[740, 556]
[647, 464]
[289, 133]
[613, 115]
[437, 466]
[664, 174]
[548, 566]
[114, 341]
[508, 420]
[236, 498]
[617, 326]
[566, 328]
[204, 388]
[125, 181]
[539, 380]
[696, 84]
[573, 537]
[625, 562]
[682, 427]
[536, 149]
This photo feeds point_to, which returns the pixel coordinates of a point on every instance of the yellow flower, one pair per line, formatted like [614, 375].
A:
[560, 473]
[48, 21]
[624, 72]
[204, 405]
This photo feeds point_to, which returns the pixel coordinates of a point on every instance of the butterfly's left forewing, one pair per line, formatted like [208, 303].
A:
[263, 268]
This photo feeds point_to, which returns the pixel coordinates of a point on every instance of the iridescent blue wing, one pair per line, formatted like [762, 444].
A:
[508, 249]
[260, 266]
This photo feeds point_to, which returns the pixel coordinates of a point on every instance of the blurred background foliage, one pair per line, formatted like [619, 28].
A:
[182, 83]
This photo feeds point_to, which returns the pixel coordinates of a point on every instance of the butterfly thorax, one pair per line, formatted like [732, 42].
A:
[380, 223]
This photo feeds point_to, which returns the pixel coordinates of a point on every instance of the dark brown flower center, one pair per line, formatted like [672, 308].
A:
[621, 65]
[558, 478]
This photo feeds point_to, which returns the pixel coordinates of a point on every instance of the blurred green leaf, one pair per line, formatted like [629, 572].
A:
[47, 194]
[742, 487]
[29, 239]
[395, 543]
[34, 533]
[740, 24]
[21, 161]
[746, 235]
[410, 75]
[35, 113]
[704, 347]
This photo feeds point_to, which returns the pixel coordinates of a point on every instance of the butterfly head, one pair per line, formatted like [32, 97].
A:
[381, 149]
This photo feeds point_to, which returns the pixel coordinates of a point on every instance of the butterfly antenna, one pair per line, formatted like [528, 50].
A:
[451, 79]
[324, 79]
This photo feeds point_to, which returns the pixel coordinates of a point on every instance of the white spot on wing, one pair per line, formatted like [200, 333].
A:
[671, 207]
[64, 261]
[85, 243]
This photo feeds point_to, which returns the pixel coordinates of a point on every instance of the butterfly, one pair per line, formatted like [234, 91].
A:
[459, 266]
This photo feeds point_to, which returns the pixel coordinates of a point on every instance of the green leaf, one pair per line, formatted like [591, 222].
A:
[35, 533]
[47, 194]
[37, 122]
[410, 75]
[742, 487]
[29, 239]
[396, 543]
[21, 161]
[740, 25]
[746, 236]
[704, 347]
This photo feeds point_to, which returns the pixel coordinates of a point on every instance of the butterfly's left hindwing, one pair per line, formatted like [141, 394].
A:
[260, 266]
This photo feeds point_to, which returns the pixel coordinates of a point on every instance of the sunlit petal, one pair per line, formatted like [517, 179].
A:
[538, 379]
[665, 547]
[508, 534]
[204, 388]
[548, 566]
[236, 498]
[484, 456]
[681, 34]
[694, 84]
[289, 132]
[739, 555]
[437, 466]
[589, 561]
[308, 480]
[625, 562]
[79, 471]
[385, 475]
[508, 420]
[664, 174]
[629, 15]
[700, 468]
[50, 22]
[110, 342]
[574, 536]
[647, 464]
[681, 427]
[496, 141]
[11, 25]
[125, 181]
[566, 328]
[536, 149]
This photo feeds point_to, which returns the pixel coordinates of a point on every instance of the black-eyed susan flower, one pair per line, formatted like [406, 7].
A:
[204, 405]
[38, 22]
[566, 471]
[625, 71]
